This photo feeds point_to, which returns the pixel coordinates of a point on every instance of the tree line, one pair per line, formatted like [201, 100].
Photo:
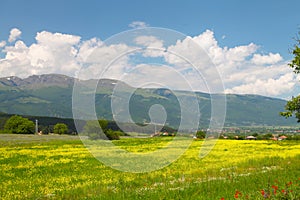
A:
[97, 129]
[21, 125]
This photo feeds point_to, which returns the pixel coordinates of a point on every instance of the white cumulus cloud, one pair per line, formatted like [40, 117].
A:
[154, 46]
[52, 53]
[106, 61]
[56, 39]
[2, 44]
[14, 34]
[138, 24]
[87, 47]
[266, 59]
[241, 68]
[266, 86]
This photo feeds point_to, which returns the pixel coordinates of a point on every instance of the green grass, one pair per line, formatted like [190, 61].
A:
[60, 167]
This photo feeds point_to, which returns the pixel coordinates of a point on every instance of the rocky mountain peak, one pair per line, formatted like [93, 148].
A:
[38, 80]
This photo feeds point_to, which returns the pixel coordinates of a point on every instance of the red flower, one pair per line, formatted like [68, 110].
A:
[237, 193]
[289, 183]
[283, 191]
[222, 198]
[262, 192]
[275, 188]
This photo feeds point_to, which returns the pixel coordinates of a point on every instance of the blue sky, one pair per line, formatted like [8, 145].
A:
[270, 25]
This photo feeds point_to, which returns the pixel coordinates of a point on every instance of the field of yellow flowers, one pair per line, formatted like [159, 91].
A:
[60, 167]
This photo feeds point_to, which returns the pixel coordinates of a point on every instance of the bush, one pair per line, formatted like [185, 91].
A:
[112, 135]
[98, 130]
[201, 134]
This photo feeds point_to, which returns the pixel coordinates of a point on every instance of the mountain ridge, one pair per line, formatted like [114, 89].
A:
[56, 79]
[51, 95]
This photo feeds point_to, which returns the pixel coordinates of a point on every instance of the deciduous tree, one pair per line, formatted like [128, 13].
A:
[293, 106]
[60, 128]
[19, 125]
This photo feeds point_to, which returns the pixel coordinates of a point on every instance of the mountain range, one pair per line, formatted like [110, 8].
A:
[51, 95]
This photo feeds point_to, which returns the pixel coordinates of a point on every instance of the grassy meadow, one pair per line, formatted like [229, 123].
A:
[60, 167]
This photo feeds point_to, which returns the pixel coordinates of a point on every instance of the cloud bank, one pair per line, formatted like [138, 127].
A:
[243, 69]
